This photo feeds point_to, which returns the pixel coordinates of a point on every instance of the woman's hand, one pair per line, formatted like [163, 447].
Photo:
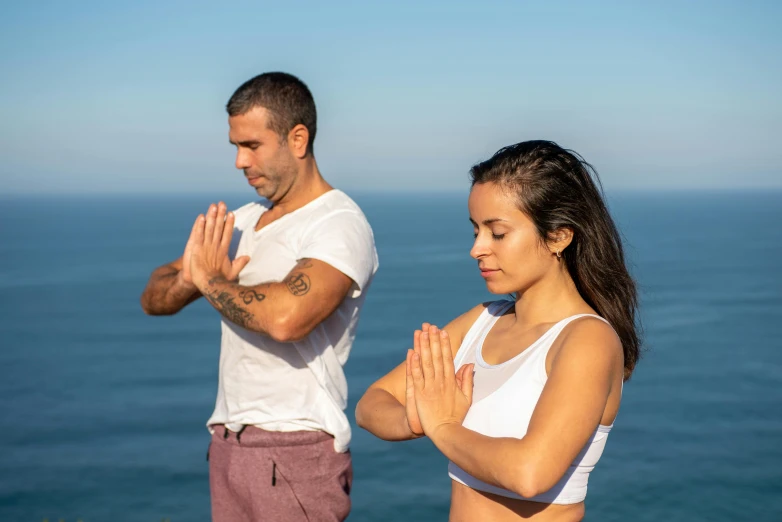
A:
[413, 422]
[441, 396]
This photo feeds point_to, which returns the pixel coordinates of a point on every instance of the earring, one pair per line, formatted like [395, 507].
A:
[559, 254]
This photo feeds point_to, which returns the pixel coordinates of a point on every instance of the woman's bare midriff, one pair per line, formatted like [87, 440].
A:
[469, 505]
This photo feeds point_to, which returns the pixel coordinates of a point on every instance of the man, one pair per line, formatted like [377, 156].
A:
[289, 291]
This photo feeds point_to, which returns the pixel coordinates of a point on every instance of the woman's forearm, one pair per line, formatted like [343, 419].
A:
[488, 458]
[381, 414]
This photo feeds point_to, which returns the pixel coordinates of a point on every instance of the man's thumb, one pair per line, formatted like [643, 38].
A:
[237, 265]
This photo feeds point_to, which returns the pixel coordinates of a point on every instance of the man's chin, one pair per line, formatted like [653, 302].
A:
[264, 192]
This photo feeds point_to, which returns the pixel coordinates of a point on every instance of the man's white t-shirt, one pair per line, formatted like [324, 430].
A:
[299, 385]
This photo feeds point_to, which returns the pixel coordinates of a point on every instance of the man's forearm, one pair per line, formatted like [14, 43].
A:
[166, 293]
[265, 308]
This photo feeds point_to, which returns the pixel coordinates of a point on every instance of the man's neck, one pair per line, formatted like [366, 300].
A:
[309, 186]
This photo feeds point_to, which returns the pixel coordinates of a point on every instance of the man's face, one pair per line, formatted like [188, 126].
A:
[262, 154]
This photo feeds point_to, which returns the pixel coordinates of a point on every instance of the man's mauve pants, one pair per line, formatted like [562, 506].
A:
[259, 475]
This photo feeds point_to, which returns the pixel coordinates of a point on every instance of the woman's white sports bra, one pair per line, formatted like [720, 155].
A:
[504, 397]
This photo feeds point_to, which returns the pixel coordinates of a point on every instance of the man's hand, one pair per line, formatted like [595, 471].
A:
[206, 252]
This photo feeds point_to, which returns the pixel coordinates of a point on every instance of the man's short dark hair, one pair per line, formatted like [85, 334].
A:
[287, 99]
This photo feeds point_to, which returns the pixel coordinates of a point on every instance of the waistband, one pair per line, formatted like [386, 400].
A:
[254, 437]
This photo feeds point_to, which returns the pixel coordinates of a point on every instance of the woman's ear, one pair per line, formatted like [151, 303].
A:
[559, 240]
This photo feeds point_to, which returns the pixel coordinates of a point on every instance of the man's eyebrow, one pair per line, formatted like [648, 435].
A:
[247, 143]
[489, 221]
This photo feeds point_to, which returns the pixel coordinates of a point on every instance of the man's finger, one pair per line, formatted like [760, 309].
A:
[198, 229]
[219, 221]
[194, 230]
[209, 228]
[227, 234]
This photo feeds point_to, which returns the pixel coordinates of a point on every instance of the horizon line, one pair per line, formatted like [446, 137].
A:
[386, 191]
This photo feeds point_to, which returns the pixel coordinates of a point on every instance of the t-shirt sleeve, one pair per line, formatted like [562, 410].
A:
[344, 240]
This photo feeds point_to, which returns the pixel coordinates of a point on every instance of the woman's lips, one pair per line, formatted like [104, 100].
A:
[488, 272]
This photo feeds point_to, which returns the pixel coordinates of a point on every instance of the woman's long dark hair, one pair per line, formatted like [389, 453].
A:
[556, 188]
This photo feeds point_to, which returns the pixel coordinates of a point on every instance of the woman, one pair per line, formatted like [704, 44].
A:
[525, 417]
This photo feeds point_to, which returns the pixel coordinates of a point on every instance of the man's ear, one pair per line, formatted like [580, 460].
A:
[298, 140]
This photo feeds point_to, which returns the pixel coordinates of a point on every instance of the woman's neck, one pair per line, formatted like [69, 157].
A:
[550, 300]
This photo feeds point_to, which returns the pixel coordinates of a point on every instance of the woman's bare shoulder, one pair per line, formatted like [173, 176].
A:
[458, 328]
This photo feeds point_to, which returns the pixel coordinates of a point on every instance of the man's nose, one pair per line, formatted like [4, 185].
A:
[243, 160]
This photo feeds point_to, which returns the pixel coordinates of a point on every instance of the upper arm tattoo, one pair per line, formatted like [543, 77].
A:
[298, 283]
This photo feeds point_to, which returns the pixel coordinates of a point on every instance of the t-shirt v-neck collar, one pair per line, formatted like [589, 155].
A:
[284, 217]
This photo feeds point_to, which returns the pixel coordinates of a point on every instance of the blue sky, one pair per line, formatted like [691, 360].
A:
[129, 97]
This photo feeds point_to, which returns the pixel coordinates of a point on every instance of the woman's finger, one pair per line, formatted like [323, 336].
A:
[409, 387]
[417, 373]
[426, 359]
[445, 342]
[437, 355]
[467, 373]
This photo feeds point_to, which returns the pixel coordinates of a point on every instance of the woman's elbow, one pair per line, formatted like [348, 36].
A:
[361, 415]
[530, 482]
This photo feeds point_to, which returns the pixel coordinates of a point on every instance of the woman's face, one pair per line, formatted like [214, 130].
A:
[509, 251]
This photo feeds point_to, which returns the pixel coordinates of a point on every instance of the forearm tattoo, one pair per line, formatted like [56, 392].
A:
[224, 302]
[250, 295]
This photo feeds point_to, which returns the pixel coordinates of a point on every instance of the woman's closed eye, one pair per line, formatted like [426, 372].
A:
[493, 235]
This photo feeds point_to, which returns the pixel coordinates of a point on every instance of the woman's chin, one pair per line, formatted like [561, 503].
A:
[497, 288]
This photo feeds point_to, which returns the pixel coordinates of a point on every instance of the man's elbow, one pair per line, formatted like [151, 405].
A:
[148, 308]
[287, 329]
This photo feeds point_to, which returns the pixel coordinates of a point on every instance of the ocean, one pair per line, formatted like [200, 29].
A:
[103, 408]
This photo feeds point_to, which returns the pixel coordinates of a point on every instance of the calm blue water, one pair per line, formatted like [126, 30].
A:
[103, 408]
